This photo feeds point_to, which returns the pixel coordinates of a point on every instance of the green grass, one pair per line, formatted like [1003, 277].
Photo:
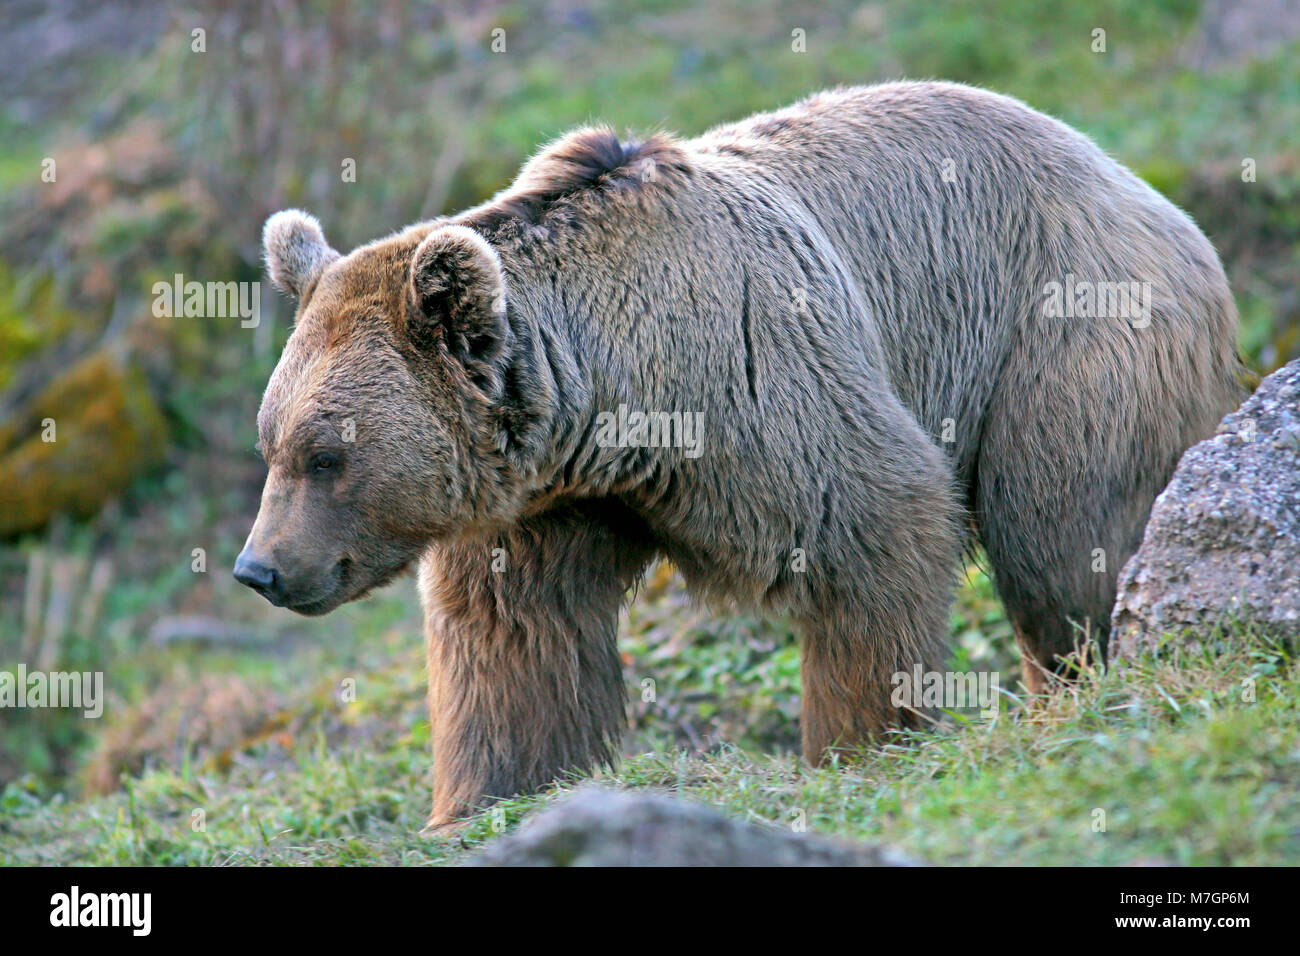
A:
[1158, 760]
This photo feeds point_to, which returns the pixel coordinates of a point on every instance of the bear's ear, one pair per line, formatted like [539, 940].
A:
[458, 290]
[296, 251]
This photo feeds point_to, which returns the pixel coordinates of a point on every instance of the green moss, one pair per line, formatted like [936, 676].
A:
[106, 430]
[1166, 175]
[31, 318]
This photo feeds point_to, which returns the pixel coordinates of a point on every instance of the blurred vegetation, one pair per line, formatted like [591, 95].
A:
[118, 538]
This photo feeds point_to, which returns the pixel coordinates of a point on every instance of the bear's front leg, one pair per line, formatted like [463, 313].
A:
[525, 681]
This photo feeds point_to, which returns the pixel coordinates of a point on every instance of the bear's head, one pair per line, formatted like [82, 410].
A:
[381, 426]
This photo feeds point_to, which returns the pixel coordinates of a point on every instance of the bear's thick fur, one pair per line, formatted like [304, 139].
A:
[879, 304]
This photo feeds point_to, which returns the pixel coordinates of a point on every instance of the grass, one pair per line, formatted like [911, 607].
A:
[1191, 757]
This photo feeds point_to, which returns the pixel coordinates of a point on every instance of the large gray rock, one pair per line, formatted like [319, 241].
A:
[597, 827]
[1223, 541]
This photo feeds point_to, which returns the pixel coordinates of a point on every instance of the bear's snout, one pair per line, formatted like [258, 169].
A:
[266, 581]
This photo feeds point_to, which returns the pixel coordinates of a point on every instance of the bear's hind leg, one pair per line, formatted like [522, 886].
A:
[1085, 428]
[878, 608]
[1060, 510]
[525, 681]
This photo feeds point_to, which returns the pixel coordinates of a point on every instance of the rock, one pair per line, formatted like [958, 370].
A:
[77, 443]
[1235, 31]
[1223, 541]
[202, 629]
[597, 827]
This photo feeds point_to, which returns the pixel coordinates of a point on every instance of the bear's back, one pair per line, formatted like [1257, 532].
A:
[953, 208]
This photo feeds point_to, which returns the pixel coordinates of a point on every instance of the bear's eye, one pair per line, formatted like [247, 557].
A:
[323, 461]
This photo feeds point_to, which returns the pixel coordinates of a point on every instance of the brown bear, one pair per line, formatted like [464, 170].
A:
[893, 317]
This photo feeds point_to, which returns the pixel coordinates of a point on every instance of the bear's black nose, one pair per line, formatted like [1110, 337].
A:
[260, 578]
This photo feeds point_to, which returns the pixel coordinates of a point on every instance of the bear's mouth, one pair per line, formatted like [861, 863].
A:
[333, 595]
[314, 608]
[344, 587]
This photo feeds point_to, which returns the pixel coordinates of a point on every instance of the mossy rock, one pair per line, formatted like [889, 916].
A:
[31, 319]
[106, 429]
